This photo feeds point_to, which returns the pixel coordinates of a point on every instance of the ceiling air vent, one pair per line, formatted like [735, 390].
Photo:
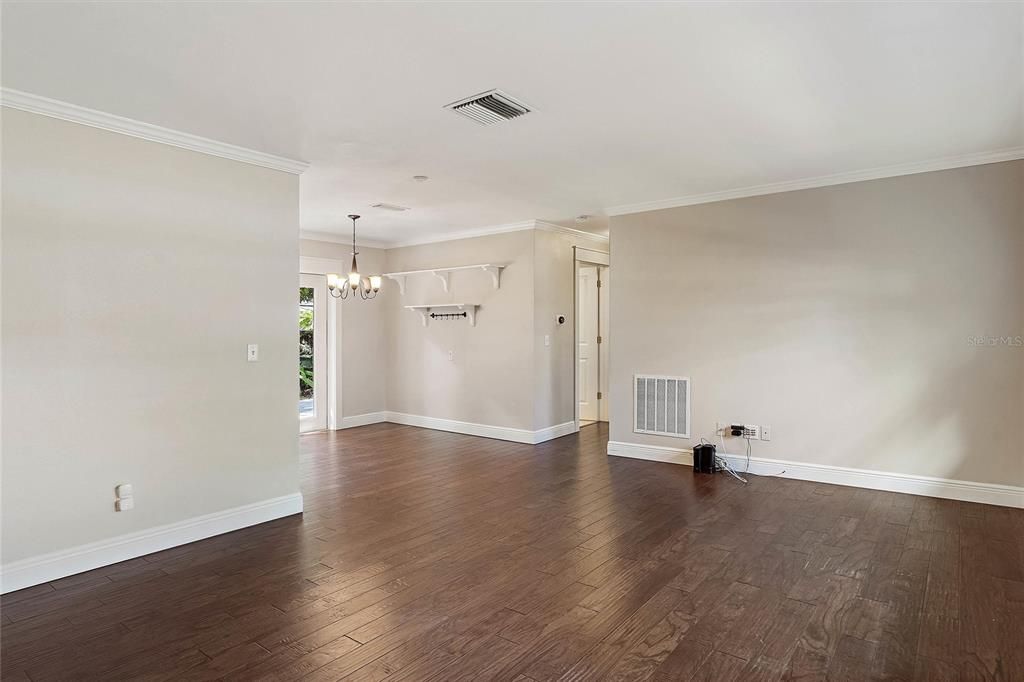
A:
[489, 107]
[390, 207]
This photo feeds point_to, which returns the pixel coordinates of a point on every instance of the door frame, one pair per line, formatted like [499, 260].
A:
[318, 420]
[587, 257]
[321, 266]
[588, 350]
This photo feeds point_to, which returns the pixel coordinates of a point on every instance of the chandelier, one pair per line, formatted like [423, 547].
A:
[343, 287]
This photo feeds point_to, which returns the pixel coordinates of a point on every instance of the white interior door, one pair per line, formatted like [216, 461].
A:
[602, 346]
[312, 380]
[586, 337]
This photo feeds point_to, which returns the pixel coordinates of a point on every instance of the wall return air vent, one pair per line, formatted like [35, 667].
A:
[661, 405]
[489, 107]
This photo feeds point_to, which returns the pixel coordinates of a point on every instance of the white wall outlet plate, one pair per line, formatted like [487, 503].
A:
[253, 352]
[124, 504]
[751, 431]
[766, 432]
[123, 490]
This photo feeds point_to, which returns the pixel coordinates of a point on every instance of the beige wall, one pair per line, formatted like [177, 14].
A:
[490, 379]
[841, 316]
[502, 373]
[362, 327]
[554, 289]
[134, 275]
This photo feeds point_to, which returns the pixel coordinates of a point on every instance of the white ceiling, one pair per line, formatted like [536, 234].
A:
[634, 102]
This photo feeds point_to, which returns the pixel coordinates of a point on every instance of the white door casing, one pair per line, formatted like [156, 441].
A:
[587, 352]
[602, 348]
[317, 420]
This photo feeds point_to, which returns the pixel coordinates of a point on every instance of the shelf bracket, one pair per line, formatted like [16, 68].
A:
[401, 282]
[425, 314]
[444, 276]
[471, 315]
[495, 272]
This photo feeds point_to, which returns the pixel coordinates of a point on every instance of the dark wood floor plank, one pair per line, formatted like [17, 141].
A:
[719, 667]
[428, 555]
[601, 659]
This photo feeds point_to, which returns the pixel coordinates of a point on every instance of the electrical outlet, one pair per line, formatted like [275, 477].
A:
[451, 356]
[124, 504]
[766, 432]
[751, 431]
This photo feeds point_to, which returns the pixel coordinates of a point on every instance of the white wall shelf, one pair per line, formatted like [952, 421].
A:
[425, 310]
[444, 274]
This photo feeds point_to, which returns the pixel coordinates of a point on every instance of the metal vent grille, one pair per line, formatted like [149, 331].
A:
[489, 107]
[661, 405]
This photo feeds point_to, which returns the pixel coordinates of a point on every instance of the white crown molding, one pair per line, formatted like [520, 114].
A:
[465, 234]
[966, 491]
[42, 569]
[571, 232]
[16, 99]
[947, 163]
[339, 239]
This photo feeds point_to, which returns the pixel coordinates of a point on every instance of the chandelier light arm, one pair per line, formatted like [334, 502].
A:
[368, 287]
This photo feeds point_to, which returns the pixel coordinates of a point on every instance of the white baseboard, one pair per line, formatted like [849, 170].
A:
[41, 569]
[966, 491]
[552, 432]
[363, 419]
[484, 430]
[654, 453]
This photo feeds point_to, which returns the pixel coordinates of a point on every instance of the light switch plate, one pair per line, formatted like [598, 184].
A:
[123, 490]
[253, 352]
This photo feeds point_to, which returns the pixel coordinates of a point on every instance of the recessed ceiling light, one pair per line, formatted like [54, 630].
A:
[420, 178]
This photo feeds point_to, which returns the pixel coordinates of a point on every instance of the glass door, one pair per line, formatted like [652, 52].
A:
[312, 353]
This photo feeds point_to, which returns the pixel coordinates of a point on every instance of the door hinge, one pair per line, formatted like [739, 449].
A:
[598, 284]
[599, 339]
[599, 395]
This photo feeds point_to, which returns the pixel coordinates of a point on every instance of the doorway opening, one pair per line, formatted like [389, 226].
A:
[312, 379]
[591, 312]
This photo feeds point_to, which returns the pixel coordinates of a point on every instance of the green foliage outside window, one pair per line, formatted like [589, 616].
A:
[305, 343]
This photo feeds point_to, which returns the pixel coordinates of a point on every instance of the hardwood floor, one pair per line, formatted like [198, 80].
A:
[425, 555]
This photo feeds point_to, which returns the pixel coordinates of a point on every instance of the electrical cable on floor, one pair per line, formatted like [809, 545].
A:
[723, 463]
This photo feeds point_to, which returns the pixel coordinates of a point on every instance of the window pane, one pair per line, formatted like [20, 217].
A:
[306, 378]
